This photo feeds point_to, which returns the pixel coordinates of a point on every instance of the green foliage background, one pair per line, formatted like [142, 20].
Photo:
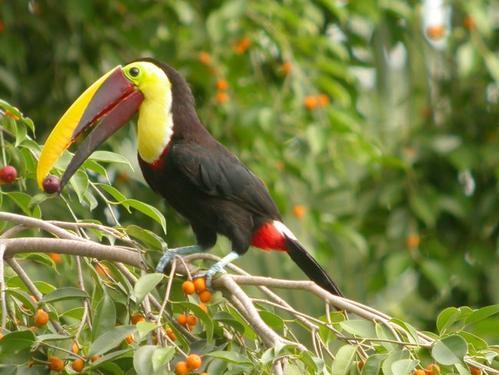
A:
[398, 174]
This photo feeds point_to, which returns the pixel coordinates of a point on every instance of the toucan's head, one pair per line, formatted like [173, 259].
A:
[144, 86]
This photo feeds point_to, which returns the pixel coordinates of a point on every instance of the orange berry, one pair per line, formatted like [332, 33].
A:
[469, 23]
[419, 372]
[222, 97]
[203, 307]
[188, 287]
[75, 348]
[323, 100]
[95, 357]
[55, 257]
[360, 364]
[78, 364]
[137, 317]
[311, 102]
[285, 68]
[222, 84]
[56, 364]
[182, 319]
[413, 241]
[193, 362]
[299, 210]
[171, 335]
[41, 318]
[200, 284]
[241, 45]
[435, 32]
[181, 368]
[204, 373]
[102, 269]
[475, 371]
[192, 320]
[129, 339]
[432, 369]
[205, 296]
[204, 58]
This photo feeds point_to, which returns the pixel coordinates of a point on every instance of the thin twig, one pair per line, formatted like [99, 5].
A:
[2, 287]
[32, 288]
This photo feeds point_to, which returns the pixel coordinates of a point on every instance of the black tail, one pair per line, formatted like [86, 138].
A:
[310, 266]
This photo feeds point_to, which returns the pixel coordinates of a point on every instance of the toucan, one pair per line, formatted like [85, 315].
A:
[181, 161]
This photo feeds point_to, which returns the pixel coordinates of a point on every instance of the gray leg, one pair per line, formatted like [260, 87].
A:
[219, 267]
[169, 254]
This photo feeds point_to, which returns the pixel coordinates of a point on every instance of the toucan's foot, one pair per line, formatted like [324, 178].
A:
[169, 254]
[218, 267]
[209, 274]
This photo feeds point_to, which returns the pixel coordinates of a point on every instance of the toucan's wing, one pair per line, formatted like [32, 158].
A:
[217, 172]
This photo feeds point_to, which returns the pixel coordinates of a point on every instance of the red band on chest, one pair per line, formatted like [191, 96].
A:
[267, 237]
[160, 162]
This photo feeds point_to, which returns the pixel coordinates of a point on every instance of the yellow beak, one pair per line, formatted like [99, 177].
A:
[110, 101]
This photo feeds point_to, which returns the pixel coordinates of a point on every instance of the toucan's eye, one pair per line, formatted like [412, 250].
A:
[134, 72]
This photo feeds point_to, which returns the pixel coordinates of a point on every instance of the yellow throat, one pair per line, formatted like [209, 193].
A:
[155, 124]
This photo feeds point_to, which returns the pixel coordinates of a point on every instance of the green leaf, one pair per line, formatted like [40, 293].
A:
[145, 284]
[392, 358]
[450, 350]
[22, 200]
[273, 320]
[147, 237]
[111, 339]
[79, 183]
[373, 364]
[142, 360]
[359, 327]
[15, 347]
[147, 210]
[161, 357]
[64, 293]
[106, 358]
[115, 193]
[105, 316]
[21, 134]
[53, 337]
[476, 342]
[481, 314]
[344, 359]
[145, 327]
[446, 318]
[404, 366]
[231, 357]
[110, 157]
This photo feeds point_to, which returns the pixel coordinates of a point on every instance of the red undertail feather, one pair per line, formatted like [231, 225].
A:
[276, 236]
[267, 237]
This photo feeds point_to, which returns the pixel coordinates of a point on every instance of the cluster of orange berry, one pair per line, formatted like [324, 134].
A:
[190, 287]
[56, 364]
[191, 363]
[222, 96]
[431, 369]
[313, 101]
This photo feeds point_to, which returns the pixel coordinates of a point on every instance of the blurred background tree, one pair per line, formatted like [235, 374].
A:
[373, 123]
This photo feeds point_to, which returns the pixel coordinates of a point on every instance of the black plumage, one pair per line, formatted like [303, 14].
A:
[212, 188]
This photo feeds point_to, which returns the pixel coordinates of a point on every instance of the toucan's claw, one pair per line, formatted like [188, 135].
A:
[218, 267]
[169, 254]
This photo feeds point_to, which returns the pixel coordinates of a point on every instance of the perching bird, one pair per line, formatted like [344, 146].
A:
[181, 161]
